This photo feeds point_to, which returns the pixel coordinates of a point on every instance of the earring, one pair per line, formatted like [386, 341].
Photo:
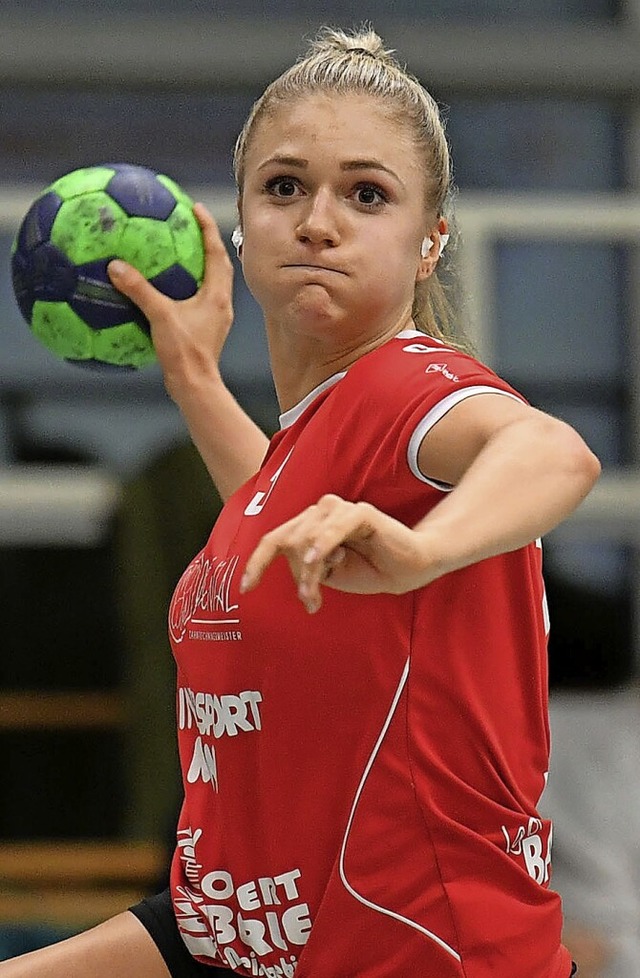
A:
[237, 238]
[425, 247]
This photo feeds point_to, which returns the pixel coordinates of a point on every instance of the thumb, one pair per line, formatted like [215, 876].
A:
[136, 287]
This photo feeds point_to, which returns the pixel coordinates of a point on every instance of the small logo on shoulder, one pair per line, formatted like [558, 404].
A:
[442, 368]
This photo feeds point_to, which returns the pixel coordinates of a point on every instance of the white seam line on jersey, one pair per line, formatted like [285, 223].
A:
[432, 417]
[291, 416]
[354, 893]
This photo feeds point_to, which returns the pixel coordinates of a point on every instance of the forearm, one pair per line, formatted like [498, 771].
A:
[530, 475]
[231, 445]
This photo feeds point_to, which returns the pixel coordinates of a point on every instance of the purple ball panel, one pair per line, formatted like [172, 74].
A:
[139, 193]
[175, 282]
[22, 285]
[45, 274]
[100, 365]
[38, 221]
[98, 303]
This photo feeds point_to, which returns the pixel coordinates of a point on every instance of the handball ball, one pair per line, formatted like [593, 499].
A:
[68, 237]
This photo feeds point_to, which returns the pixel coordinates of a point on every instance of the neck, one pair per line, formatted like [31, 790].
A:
[300, 363]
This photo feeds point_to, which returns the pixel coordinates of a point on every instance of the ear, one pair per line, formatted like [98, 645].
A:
[431, 250]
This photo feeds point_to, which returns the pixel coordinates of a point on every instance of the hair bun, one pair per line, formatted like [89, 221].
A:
[362, 41]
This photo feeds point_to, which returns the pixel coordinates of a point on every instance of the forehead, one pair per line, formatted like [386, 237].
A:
[335, 127]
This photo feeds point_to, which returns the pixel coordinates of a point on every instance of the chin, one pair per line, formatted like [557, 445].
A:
[317, 308]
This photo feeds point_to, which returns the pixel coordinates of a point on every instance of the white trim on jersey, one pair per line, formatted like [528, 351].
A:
[291, 416]
[435, 414]
[412, 334]
[343, 876]
[423, 346]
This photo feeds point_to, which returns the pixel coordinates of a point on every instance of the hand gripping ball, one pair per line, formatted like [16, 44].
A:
[68, 237]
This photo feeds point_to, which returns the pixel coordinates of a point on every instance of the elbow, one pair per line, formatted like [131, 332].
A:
[589, 469]
[593, 467]
[582, 465]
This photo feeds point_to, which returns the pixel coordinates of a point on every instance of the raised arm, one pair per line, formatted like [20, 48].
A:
[516, 473]
[188, 337]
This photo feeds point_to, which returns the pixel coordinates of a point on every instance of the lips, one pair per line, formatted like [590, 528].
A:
[315, 268]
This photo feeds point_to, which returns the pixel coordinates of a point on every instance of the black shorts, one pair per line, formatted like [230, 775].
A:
[157, 917]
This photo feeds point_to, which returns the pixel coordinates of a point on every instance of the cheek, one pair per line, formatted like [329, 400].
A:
[392, 272]
[252, 276]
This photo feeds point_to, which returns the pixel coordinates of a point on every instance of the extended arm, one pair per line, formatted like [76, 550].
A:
[188, 337]
[516, 473]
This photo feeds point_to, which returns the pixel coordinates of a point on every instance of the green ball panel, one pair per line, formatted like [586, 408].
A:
[82, 181]
[147, 244]
[125, 346]
[58, 327]
[175, 189]
[89, 228]
[187, 240]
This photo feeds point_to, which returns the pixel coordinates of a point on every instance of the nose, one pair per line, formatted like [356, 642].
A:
[319, 224]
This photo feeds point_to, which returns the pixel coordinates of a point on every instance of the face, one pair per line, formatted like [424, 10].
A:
[333, 217]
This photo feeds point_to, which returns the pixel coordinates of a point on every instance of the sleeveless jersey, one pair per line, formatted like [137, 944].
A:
[361, 785]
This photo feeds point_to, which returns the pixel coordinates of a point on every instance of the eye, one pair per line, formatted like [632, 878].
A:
[282, 186]
[370, 195]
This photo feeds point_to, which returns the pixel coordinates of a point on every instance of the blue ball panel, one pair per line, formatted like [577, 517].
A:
[98, 303]
[100, 365]
[139, 193]
[38, 221]
[43, 273]
[175, 282]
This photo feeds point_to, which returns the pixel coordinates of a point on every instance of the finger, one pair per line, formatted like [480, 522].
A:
[312, 577]
[135, 286]
[337, 557]
[264, 554]
[215, 252]
[342, 523]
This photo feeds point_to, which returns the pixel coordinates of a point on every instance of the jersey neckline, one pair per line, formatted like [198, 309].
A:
[291, 416]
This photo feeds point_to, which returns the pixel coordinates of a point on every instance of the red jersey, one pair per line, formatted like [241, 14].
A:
[361, 785]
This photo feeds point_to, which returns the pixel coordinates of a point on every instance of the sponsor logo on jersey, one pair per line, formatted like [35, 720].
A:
[214, 717]
[528, 843]
[240, 923]
[202, 606]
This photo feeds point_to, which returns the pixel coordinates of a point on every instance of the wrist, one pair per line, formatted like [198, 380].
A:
[185, 379]
[435, 548]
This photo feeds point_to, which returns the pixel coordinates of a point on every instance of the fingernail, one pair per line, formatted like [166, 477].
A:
[116, 267]
[310, 556]
[244, 583]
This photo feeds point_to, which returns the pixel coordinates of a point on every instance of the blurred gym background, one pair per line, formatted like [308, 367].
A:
[103, 501]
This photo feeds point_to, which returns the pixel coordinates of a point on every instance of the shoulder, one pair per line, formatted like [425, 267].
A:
[413, 369]
[392, 397]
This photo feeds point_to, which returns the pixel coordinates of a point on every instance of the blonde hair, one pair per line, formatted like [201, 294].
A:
[358, 62]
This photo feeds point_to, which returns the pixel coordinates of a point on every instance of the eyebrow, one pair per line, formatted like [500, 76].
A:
[347, 165]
